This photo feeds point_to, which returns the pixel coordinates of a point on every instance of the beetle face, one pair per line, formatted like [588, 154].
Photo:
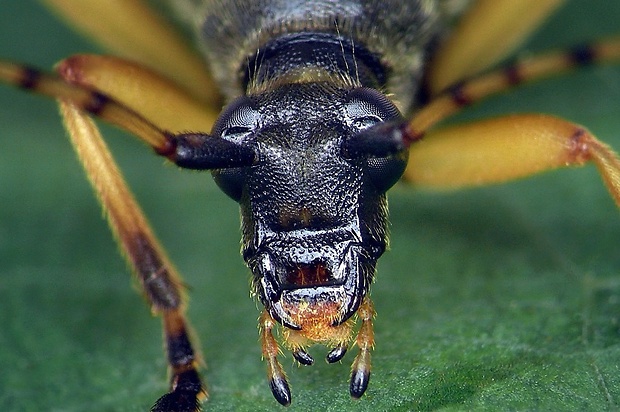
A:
[313, 222]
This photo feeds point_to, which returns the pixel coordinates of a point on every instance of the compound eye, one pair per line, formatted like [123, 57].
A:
[364, 122]
[384, 172]
[236, 132]
[367, 108]
[231, 181]
[237, 121]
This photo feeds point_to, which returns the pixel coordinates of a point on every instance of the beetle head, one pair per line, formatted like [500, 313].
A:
[314, 219]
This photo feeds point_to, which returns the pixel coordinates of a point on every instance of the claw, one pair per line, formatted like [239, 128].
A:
[186, 396]
[178, 401]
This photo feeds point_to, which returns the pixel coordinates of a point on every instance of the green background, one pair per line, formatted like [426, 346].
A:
[498, 298]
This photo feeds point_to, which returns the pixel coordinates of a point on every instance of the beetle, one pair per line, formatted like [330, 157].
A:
[209, 357]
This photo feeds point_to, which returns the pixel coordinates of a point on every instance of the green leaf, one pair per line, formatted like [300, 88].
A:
[498, 298]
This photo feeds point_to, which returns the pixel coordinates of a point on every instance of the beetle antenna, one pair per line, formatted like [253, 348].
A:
[381, 140]
[201, 151]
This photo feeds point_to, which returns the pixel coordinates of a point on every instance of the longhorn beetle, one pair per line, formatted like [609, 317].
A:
[412, 276]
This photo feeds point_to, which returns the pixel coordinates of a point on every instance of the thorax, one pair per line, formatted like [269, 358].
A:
[377, 43]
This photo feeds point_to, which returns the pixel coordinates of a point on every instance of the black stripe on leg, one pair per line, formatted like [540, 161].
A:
[29, 78]
[188, 380]
[179, 347]
[158, 284]
[186, 394]
[97, 103]
[513, 74]
[187, 390]
[582, 55]
[458, 95]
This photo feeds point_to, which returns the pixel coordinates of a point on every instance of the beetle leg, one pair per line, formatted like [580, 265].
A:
[462, 95]
[485, 34]
[160, 281]
[189, 150]
[153, 96]
[544, 142]
[360, 370]
[505, 148]
[132, 29]
[87, 100]
[277, 379]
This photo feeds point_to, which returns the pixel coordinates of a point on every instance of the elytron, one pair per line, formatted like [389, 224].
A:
[324, 100]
